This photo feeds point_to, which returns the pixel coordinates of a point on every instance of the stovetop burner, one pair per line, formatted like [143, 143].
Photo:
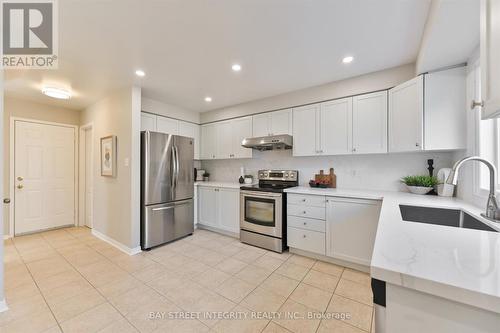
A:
[274, 181]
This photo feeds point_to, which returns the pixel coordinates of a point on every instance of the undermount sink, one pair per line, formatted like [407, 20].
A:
[441, 216]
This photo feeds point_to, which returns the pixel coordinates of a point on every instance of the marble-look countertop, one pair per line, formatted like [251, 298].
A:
[458, 264]
[220, 184]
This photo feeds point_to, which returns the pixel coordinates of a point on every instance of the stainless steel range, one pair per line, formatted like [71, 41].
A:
[263, 209]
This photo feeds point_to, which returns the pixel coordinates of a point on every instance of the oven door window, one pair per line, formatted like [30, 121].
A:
[260, 211]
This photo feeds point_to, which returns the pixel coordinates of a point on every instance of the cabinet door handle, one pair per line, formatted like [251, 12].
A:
[305, 223]
[475, 104]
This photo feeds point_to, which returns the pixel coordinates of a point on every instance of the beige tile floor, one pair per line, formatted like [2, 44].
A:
[67, 280]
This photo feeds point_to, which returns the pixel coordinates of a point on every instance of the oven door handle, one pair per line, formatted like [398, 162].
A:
[261, 194]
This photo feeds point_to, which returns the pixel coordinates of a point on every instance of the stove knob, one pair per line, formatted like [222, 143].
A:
[286, 175]
[265, 174]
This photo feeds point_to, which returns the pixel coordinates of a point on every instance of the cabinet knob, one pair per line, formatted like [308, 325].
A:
[303, 200]
[354, 149]
[417, 144]
[305, 223]
[304, 212]
[475, 104]
[303, 236]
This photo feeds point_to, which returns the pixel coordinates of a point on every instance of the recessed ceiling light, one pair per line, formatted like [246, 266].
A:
[140, 73]
[208, 99]
[56, 93]
[347, 60]
[236, 67]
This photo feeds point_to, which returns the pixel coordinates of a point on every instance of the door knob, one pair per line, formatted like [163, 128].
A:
[20, 178]
[20, 186]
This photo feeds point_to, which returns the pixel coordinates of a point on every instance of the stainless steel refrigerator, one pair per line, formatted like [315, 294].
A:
[167, 188]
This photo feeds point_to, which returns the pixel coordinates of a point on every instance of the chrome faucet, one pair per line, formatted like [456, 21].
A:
[492, 211]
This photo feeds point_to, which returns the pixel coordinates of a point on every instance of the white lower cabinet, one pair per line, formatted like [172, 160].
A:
[307, 240]
[229, 209]
[343, 228]
[219, 208]
[207, 206]
[351, 226]
[306, 223]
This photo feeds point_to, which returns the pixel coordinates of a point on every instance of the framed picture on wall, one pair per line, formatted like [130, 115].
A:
[108, 156]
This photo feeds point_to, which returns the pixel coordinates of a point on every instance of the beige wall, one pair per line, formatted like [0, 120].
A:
[14, 107]
[116, 202]
[168, 110]
[357, 85]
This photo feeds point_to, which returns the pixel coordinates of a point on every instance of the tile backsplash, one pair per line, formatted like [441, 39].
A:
[374, 171]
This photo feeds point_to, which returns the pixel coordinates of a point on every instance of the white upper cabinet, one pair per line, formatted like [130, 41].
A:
[406, 116]
[167, 125]
[272, 123]
[148, 122]
[429, 112]
[261, 124]
[445, 109]
[208, 141]
[306, 130]
[222, 140]
[191, 131]
[336, 127]
[369, 123]
[281, 122]
[490, 55]
[242, 129]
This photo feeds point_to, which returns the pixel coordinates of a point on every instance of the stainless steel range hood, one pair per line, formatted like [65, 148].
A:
[284, 141]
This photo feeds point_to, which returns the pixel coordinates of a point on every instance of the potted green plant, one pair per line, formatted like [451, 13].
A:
[205, 176]
[420, 184]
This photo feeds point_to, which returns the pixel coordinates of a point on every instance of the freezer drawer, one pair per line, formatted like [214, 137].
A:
[166, 222]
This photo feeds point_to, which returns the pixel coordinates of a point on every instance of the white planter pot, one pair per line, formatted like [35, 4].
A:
[419, 189]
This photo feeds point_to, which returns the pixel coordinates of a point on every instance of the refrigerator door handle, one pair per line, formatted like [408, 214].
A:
[162, 208]
[176, 161]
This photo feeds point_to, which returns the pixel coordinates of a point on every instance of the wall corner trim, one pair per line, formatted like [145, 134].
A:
[118, 245]
[3, 305]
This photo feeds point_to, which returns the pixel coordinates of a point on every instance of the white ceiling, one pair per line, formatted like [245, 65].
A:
[451, 34]
[187, 47]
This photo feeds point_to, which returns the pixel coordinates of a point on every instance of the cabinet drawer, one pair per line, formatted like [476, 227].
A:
[306, 240]
[306, 211]
[306, 223]
[307, 200]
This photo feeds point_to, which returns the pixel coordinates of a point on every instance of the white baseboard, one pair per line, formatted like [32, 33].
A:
[3, 305]
[7, 236]
[118, 245]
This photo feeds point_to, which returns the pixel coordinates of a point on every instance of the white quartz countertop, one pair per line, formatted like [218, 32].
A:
[219, 184]
[455, 263]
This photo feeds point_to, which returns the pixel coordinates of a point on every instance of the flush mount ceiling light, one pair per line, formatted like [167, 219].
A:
[236, 67]
[208, 99]
[347, 60]
[140, 73]
[56, 93]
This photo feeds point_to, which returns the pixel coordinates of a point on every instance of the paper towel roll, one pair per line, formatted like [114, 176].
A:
[443, 189]
[443, 175]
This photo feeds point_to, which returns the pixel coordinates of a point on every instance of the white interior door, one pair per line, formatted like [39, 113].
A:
[44, 176]
[89, 191]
